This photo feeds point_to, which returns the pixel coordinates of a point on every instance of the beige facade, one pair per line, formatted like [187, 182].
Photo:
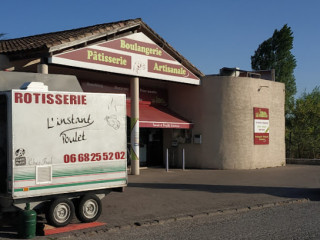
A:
[221, 109]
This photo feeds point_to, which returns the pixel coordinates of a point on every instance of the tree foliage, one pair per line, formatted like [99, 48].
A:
[275, 53]
[304, 130]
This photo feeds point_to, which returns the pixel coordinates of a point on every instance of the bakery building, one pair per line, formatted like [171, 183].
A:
[230, 120]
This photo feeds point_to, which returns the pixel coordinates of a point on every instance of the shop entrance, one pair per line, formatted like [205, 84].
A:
[151, 147]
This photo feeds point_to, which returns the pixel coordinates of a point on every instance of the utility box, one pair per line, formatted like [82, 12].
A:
[60, 145]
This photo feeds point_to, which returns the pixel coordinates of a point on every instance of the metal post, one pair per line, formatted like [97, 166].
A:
[167, 161]
[42, 67]
[183, 160]
[134, 151]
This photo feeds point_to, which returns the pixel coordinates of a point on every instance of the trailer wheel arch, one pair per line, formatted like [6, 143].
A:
[60, 212]
[89, 208]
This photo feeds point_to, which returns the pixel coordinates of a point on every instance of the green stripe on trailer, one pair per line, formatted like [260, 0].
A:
[69, 185]
[63, 173]
[19, 177]
[86, 172]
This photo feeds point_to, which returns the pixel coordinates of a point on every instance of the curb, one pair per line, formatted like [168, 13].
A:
[185, 217]
[303, 161]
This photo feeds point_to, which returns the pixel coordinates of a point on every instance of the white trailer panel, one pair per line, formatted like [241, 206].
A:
[64, 142]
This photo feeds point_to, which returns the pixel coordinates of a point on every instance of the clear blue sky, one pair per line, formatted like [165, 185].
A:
[210, 34]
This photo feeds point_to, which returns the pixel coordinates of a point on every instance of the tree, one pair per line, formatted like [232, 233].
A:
[275, 53]
[305, 128]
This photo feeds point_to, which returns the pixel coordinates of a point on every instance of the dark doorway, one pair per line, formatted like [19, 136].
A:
[151, 147]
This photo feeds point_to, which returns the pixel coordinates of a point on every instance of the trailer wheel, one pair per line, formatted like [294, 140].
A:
[60, 212]
[89, 208]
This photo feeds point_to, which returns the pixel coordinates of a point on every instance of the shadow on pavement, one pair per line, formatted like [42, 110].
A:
[287, 192]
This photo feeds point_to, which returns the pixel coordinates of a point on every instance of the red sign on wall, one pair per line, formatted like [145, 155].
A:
[169, 69]
[261, 126]
[138, 47]
[100, 57]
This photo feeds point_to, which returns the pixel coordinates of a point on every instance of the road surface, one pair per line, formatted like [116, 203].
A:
[288, 221]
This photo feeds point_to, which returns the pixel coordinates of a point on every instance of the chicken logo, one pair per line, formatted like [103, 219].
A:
[113, 122]
[138, 67]
[111, 118]
[20, 152]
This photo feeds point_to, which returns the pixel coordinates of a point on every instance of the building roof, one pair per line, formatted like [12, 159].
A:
[45, 45]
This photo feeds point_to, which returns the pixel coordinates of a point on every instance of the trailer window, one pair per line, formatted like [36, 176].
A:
[3, 143]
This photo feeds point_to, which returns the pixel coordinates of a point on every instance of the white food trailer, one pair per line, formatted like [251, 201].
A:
[62, 152]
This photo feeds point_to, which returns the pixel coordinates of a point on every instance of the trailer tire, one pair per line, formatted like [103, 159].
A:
[60, 212]
[89, 208]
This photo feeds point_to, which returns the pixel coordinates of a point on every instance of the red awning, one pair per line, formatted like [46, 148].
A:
[158, 117]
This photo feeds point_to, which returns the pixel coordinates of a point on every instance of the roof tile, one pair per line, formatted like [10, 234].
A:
[55, 38]
[48, 40]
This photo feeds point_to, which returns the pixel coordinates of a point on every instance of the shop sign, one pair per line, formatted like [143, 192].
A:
[261, 126]
[135, 55]
[145, 47]
[151, 124]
